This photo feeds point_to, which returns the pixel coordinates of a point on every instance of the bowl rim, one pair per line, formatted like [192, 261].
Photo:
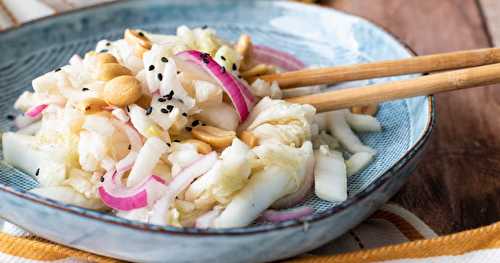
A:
[192, 231]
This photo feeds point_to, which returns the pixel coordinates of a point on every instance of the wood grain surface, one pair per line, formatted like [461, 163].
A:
[457, 185]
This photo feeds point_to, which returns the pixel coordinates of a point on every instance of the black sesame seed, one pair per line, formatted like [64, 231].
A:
[234, 67]
[108, 44]
[177, 141]
[164, 59]
[149, 110]
[151, 68]
[130, 146]
[205, 60]
[189, 129]
[204, 27]
[128, 108]
[37, 172]
[103, 51]
[160, 77]
[141, 34]
[223, 58]
[168, 144]
[11, 117]
[162, 100]
[57, 70]
[102, 179]
[184, 114]
[87, 108]
[203, 124]
[85, 89]
[239, 76]
[223, 69]
[195, 123]
[171, 93]
[164, 111]
[178, 72]
[170, 107]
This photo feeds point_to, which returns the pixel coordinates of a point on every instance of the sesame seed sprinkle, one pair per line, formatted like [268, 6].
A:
[204, 27]
[223, 58]
[149, 110]
[177, 141]
[151, 67]
[168, 144]
[102, 179]
[195, 123]
[184, 114]
[170, 107]
[130, 146]
[235, 67]
[164, 59]
[11, 117]
[189, 129]
[162, 99]
[141, 34]
[85, 89]
[160, 77]
[164, 111]
[57, 70]
[37, 172]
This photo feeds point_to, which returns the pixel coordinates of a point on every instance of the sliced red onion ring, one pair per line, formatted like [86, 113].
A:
[235, 89]
[267, 55]
[114, 195]
[285, 215]
[36, 111]
[180, 182]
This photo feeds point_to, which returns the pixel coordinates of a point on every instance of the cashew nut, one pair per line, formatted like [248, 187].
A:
[91, 105]
[138, 40]
[104, 58]
[217, 138]
[109, 71]
[249, 139]
[122, 91]
[244, 47]
[201, 147]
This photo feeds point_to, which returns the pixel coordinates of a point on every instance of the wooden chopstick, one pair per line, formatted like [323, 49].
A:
[420, 64]
[426, 85]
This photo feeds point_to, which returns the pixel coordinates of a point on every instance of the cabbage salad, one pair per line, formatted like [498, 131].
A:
[179, 130]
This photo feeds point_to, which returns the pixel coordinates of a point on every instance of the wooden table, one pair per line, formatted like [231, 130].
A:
[457, 185]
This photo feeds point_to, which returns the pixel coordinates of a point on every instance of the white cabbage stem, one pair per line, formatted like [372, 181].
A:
[263, 189]
[330, 179]
[337, 124]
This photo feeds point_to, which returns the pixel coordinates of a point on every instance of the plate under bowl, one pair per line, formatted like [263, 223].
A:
[315, 35]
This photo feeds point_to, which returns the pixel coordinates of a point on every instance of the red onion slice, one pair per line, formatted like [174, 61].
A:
[36, 111]
[285, 215]
[236, 90]
[267, 55]
[180, 182]
[116, 196]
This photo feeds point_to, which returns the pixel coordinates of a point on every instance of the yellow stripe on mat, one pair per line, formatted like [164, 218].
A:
[456, 244]
[38, 249]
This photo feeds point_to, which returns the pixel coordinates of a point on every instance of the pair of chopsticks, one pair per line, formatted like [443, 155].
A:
[469, 69]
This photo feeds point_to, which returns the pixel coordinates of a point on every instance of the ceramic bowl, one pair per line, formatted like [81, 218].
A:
[315, 35]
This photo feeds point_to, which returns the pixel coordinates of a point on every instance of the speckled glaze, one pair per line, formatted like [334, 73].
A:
[316, 36]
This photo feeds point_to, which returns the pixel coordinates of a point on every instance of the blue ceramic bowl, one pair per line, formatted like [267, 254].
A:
[315, 35]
